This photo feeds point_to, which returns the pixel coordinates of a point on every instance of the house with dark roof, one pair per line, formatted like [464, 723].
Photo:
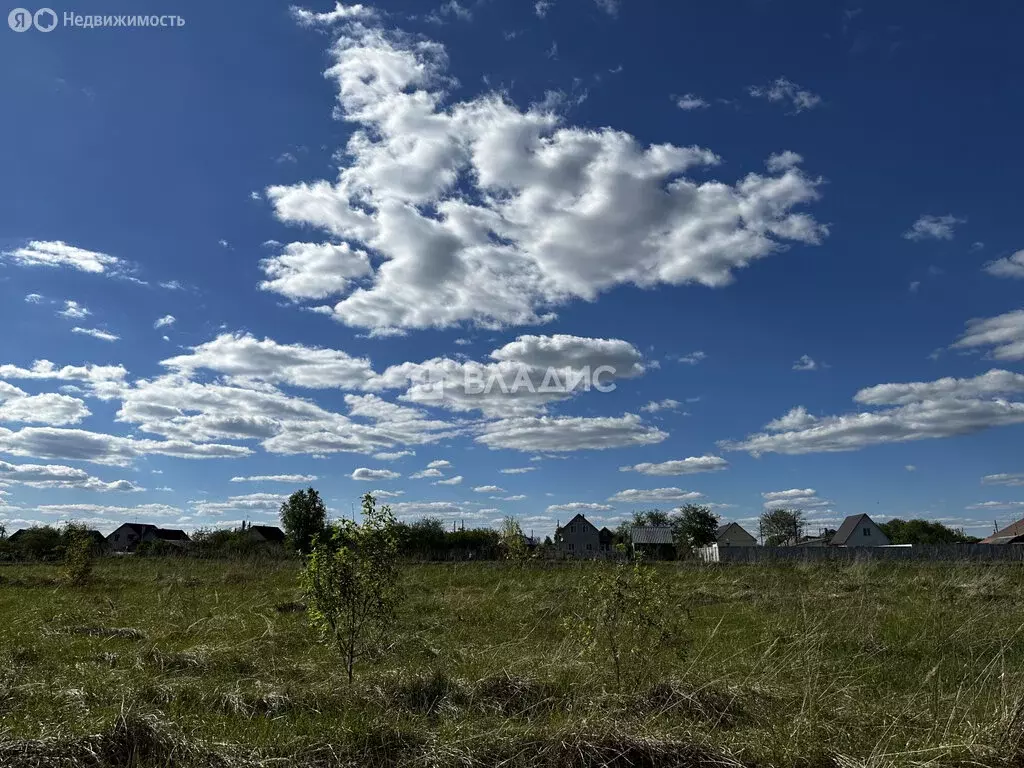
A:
[128, 536]
[1011, 534]
[734, 535]
[264, 534]
[169, 536]
[15, 537]
[859, 531]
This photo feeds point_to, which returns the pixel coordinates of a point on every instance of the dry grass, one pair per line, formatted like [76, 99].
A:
[182, 663]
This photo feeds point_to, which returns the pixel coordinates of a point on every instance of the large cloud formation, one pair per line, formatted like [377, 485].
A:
[477, 211]
[913, 411]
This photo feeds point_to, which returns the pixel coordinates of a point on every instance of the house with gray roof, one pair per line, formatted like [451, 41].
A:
[859, 531]
[578, 538]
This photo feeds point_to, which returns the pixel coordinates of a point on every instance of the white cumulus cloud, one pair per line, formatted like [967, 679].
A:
[364, 473]
[633, 495]
[55, 253]
[483, 213]
[96, 333]
[929, 227]
[688, 466]
[1009, 266]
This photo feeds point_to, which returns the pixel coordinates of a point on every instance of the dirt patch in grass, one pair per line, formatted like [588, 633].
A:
[718, 707]
[425, 694]
[510, 695]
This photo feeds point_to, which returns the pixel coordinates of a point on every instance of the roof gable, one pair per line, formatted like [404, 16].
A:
[851, 524]
[582, 520]
[268, 532]
[651, 534]
[139, 529]
[170, 534]
[732, 527]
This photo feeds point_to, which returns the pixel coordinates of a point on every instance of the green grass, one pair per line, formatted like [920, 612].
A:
[185, 662]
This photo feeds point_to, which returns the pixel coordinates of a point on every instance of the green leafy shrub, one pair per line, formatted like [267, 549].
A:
[352, 583]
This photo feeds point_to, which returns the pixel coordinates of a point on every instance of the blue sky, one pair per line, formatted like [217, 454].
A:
[245, 243]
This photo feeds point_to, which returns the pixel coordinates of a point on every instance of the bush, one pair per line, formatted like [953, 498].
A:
[627, 622]
[78, 555]
[352, 584]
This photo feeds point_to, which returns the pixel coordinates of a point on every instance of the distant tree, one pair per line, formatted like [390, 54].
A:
[303, 517]
[40, 542]
[3, 531]
[473, 543]
[621, 533]
[425, 537]
[353, 586]
[780, 525]
[224, 543]
[923, 532]
[547, 542]
[513, 543]
[694, 526]
[651, 517]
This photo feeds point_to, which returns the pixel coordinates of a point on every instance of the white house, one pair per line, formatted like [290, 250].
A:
[859, 531]
[578, 538]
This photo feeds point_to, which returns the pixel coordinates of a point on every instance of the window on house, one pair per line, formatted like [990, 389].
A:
[867, 531]
[117, 537]
[590, 547]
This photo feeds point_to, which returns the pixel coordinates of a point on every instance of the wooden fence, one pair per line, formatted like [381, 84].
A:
[943, 552]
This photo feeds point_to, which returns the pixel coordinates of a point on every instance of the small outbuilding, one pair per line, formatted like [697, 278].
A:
[654, 541]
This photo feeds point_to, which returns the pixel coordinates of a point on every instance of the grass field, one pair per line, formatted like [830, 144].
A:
[186, 662]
